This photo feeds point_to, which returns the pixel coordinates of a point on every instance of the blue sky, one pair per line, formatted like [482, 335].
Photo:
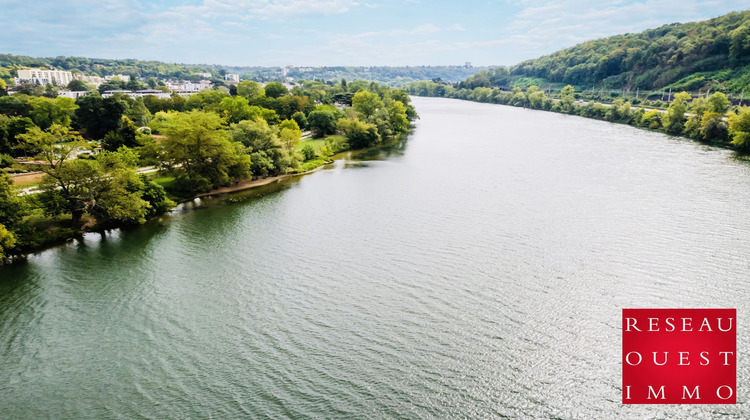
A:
[329, 32]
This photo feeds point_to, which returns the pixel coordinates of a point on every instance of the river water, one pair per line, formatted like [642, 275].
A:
[476, 270]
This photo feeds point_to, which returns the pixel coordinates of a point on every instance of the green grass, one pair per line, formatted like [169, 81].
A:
[312, 164]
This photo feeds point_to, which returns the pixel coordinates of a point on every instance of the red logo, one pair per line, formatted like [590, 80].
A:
[679, 356]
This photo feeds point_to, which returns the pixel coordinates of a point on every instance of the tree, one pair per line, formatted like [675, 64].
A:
[46, 111]
[397, 116]
[275, 90]
[237, 108]
[77, 85]
[57, 148]
[98, 116]
[125, 135]
[138, 113]
[360, 134]
[106, 188]
[301, 119]
[713, 127]
[674, 119]
[567, 98]
[718, 103]
[16, 127]
[199, 150]
[7, 241]
[11, 207]
[322, 123]
[289, 133]
[366, 103]
[264, 146]
[739, 128]
[250, 90]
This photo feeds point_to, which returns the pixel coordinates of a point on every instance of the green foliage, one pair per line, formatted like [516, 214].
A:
[77, 85]
[322, 122]
[300, 119]
[250, 90]
[674, 119]
[358, 133]
[98, 116]
[308, 152]
[47, 111]
[739, 128]
[11, 207]
[139, 113]
[275, 90]
[718, 103]
[264, 146]
[125, 135]
[366, 103]
[238, 108]
[567, 98]
[7, 241]
[647, 60]
[200, 152]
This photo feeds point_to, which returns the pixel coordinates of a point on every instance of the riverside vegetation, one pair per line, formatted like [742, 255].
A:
[209, 140]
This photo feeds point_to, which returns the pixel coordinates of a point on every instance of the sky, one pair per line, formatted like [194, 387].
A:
[330, 32]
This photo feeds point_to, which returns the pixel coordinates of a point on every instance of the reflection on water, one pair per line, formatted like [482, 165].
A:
[476, 270]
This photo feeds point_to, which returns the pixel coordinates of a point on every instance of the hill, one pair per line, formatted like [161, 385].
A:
[712, 54]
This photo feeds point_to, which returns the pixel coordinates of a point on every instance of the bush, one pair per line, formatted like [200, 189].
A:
[6, 161]
[308, 151]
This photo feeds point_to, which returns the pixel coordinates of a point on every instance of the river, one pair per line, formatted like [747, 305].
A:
[476, 270]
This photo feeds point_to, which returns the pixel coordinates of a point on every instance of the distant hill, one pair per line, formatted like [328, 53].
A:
[393, 76]
[713, 54]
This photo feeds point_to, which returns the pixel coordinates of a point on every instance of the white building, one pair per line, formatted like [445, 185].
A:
[94, 80]
[138, 94]
[232, 77]
[44, 76]
[123, 77]
[75, 94]
[189, 86]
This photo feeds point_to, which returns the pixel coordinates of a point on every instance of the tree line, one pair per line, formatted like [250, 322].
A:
[211, 139]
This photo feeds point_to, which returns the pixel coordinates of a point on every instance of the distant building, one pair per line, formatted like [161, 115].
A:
[137, 94]
[123, 77]
[229, 77]
[205, 75]
[189, 86]
[75, 94]
[42, 77]
[94, 80]
[467, 64]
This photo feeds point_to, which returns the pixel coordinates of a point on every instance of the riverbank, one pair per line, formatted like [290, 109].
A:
[710, 120]
[49, 232]
[255, 183]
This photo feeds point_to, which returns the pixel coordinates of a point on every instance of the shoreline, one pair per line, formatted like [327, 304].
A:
[249, 184]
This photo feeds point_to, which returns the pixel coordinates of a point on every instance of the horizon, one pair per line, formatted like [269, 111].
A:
[331, 33]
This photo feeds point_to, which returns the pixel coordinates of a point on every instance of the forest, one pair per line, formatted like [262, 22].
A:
[697, 56]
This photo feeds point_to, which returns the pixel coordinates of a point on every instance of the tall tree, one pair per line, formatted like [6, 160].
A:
[200, 152]
[366, 103]
[98, 116]
[674, 119]
[275, 90]
[739, 128]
